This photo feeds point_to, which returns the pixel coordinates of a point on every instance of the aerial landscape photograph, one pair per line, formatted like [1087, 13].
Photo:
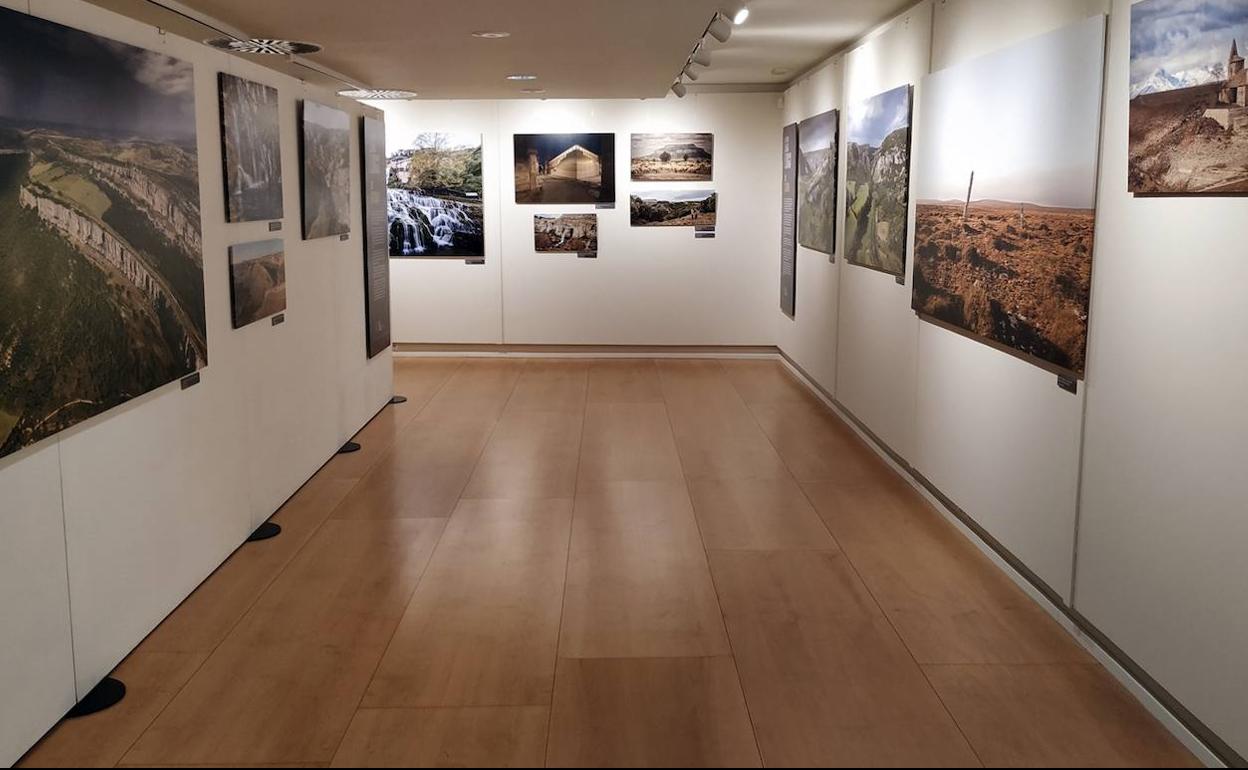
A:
[251, 149]
[325, 147]
[565, 168]
[877, 181]
[101, 266]
[1188, 131]
[817, 145]
[566, 233]
[673, 157]
[257, 280]
[434, 196]
[1006, 200]
[673, 208]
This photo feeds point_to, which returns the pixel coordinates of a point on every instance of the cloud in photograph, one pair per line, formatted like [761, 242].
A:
[676, 196]
[817, 133]
[874, 119]
[1187, 39]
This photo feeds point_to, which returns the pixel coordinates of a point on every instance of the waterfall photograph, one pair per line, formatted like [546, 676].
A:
[566, 234]
[434, 197]
[251, 150]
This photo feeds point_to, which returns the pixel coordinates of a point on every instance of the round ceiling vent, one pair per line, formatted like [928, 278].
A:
[377, 93]
[264, 46]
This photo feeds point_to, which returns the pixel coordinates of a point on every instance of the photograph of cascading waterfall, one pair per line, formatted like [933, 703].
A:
[434, 197]
[251, 149]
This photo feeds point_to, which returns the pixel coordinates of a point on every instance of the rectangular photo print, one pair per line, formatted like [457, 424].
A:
[566, 234]
[434, 193]
[673, 157]
[325, 156]
[565, 168]
[673, 208]
[1188, 117]
[877, 185]
[101, 265]
[251, 149]
[257, 280]
[817, 147]
[1005, 196]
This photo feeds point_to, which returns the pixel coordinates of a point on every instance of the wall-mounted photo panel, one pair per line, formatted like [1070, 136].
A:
[1188, 129]
[101, 268]
[818, 144]
[251, 149]
[434, 196]
[788, 221]
[877, 186]
[566, 234]
[257, 280]
[673, 157]
[673, 208]
[325, 158]
[1005, 194]
[565, 168]
[376, 234]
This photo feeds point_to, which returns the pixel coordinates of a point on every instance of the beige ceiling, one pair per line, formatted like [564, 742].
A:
[577, 48]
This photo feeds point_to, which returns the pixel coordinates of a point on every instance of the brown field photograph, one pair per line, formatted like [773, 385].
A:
[1188, 124]
[1004, 221]
[673, 157]
[257, 280]
[673, 208]
[566, 234]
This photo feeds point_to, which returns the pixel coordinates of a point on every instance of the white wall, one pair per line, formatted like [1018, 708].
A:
[651, 286]
[119, 518]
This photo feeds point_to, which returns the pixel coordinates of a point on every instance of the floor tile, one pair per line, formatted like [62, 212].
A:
[628, 442]
[757, 515]
[446, 737]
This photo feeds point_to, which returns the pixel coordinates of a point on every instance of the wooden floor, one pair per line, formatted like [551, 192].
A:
[569, 562]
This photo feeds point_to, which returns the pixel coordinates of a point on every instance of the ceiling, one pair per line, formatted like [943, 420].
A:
[576, 48]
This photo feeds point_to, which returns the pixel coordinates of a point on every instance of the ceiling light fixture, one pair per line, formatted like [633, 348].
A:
[487, 35]
[679, 89]
[377, 94]
[720, 28]
[532, 90]
[264, 46]
[522, 77]
[701, 56]
[690, 73]
[780, 70]
[742, 14]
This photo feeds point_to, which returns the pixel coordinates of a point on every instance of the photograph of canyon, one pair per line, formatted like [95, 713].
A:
[565, 168]
[101, 268]
[817, 146]
[673, 208]
[433, 194]
[325, 149]
[566, 233]
[251, 150]
[257, 280]
[673, 157]
[1005, 212]
[1188, 126]
[877, 183]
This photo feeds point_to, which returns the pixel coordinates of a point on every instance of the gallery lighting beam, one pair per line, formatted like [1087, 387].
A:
[741, 15]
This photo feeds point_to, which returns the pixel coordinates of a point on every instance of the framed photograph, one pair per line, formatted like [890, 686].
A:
[325, 159]
[877, 186]
[251, 150]
[673, 208]
[565, 168]
[673, 157]
[566, 234]
[257, 281]
[434, 192]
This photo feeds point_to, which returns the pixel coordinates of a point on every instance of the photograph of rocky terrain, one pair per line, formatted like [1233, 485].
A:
[1005, 214]
[566, 233]
[434, 197]
[257, 280]
[1188, 125]
[565, 168]
[817, 145]
[673, 157]
[325, 147]
[251, 150]
[101, 269]
[877, 186]
[673, 208]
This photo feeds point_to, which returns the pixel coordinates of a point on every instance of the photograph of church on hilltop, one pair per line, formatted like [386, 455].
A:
[1189, 99]
[565, 168]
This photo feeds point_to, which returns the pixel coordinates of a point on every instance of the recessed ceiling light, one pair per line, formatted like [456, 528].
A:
[487, 35]
[532, 90]
[741, 16]
[264, 46]
[522, 77]
[377, 94]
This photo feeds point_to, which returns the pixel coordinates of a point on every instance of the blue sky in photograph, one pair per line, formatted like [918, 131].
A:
[1180, 35]
[817, 133]
[873, 120]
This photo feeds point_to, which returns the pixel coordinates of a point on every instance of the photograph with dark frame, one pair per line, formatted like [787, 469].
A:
[257, 280]
[817, 147]
[101, 265]
[566, 234]
[434, 192]
[673, 208]
[251, 149]
[565, 168]
[1005, 196]
[673, 157]
[325, 159]
[877, 181]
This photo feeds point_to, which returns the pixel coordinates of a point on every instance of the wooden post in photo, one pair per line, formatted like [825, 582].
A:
[1021, 218]
[969, 187]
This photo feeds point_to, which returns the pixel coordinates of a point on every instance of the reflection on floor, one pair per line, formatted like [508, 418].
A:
[675, 562]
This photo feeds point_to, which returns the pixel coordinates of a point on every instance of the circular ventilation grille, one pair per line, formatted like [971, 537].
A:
[264, 46]
[378, 93]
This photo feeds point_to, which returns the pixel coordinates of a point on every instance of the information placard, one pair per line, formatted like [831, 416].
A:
[377, 236]
[788, 224]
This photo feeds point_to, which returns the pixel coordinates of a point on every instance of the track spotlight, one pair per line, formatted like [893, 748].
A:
[742, 14]
[679, 89]
[721, 28]
[690, 72]
[701, 56]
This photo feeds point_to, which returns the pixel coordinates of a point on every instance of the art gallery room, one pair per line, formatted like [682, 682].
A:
[379, 385]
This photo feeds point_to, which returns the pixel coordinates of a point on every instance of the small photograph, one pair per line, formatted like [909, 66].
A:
[673, 157]
[816, 181]
[1188, 117]
[251, 149]
[673, 208]
[326, 160]
[257, 280]
[566, 234]
[565, 168]
[877, 181]
[434, 191]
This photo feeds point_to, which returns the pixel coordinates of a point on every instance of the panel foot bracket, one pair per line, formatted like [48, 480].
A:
[265, 531]
[106, 694]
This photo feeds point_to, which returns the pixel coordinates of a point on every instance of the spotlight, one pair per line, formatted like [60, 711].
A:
[721, 28]
[701, 56]
[679, 89]
[690, 73]
[742, 15]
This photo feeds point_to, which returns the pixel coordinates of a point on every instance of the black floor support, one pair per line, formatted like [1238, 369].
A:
[265, 531]
[348, 448]
[108, 692]
[398, 400]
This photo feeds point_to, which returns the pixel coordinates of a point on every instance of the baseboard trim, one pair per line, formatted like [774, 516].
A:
[470, 350]
[1208, 748]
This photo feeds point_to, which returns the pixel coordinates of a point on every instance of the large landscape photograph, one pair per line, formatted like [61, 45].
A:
[101, 268]
[257, 280]
[877, 182]
[673, 157]
[1188, 131]
[566, 233]
[434, 192]
[1005, 210]
[251, 149]
[673, 208]
[816, 181]
[325, 147]
[565, 168]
